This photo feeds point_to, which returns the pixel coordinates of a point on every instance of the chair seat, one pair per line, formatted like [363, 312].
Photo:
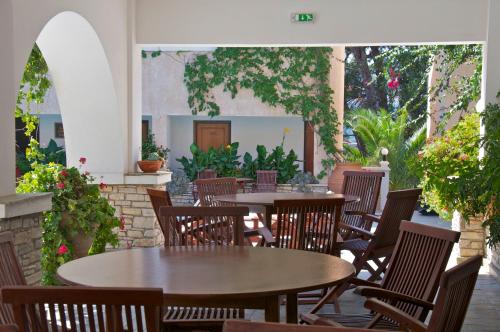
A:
[355, 321]
[355, 245]
[197, 315]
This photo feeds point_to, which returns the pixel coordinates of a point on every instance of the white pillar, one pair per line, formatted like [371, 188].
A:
[135, 95]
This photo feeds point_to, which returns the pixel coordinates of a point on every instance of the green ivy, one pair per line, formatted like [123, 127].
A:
[296, 79]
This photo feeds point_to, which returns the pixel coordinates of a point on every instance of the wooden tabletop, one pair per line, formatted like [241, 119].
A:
[210, 272]
[269, 198]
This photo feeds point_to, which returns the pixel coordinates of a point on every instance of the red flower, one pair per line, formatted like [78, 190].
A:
[393, 84]
[60, 185]
[62, 250]
[102, 185]
[63, 173]
[83, 160]
[122, 223]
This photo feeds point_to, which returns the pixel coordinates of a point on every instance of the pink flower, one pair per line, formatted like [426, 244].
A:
[60, 185]
[102, 185]
[122, 223]
[393, 84]
[83, 160]
[62, 250]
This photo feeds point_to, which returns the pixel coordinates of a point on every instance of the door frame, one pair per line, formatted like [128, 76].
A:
[196, 122]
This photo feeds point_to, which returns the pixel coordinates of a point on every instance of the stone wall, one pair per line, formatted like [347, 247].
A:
[472, 238]
[133, 205]
[28, 242]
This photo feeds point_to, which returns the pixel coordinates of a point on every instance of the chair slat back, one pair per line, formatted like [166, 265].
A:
[86, 309]
[208, 188]
[266, 181]
[203, 226]
[310, 224]
[207, 174]
[366, 186]
[418, 261]
[245, 326]
[11, 273]
[455, 291]
[400, 206]
[158, 199]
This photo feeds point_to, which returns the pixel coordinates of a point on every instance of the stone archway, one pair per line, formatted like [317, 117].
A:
[82, 78]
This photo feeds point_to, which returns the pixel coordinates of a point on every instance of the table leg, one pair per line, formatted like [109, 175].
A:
[272, 309]
[291, 309]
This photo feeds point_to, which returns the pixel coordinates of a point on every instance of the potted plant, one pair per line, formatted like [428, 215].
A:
[151, 164]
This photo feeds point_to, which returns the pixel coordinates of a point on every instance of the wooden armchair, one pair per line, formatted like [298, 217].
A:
[448, 312]
[85, 309]
[202, 226]
[414, 270]
[266, 181]
[378, 247]
[11, 273]
[366, 186]
[205, 174]
[158, 199]
[242, 326]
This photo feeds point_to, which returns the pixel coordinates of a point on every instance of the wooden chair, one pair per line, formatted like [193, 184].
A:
[419, 259]
[266, 181]
[378, 247]
[202, 226]
[158, 199]
[311, 224]
[85, 309]
[366, 186]
[242, 326]
[448, 312]
[11, 273]
[208, 188]
[205, 174]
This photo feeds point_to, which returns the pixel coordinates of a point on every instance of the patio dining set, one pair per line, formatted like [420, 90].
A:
[220, 259]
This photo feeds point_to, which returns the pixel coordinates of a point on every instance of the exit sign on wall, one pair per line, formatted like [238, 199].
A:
[303, 17]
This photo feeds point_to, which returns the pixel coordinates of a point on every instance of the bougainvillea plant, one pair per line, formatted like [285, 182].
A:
[77, 200]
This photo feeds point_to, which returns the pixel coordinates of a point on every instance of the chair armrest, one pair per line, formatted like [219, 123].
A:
[313, 319]
[356, 230]
[354, 213]
[362, 282]
[405, 321]
[371, 218]
[392, 296]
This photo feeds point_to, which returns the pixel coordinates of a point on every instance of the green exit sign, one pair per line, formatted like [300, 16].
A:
[303, 17]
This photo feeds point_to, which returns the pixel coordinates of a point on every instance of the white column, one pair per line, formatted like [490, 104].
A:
[7, 101]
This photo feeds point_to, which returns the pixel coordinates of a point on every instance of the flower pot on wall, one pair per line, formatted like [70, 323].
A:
[336, 179]
[81, 242]
[150, 166]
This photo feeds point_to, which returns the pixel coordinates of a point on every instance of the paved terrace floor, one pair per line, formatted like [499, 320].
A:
[484, 309]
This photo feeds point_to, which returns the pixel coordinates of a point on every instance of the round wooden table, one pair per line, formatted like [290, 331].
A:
[235, 277]
[267, 199]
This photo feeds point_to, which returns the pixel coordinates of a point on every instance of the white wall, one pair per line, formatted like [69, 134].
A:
[248, 131]
[47, 130]
[337, 21]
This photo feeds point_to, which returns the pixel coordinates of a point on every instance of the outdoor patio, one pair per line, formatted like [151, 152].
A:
[236, 166]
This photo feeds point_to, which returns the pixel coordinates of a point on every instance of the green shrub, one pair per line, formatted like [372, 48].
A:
[286, 164]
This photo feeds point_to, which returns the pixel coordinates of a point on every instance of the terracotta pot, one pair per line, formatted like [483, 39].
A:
[336, 179]
[150, 166]
[81, 242]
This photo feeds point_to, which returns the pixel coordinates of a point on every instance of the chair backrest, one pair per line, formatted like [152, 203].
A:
[208, 188]
[266, 181]
[11, 273]
[400, 206]
[197, 226]
[245, 326]
[207, 174]
[366, 186]
[455, 292]
[86, 309]
[310, 224]
[158, 199]
[416, 265]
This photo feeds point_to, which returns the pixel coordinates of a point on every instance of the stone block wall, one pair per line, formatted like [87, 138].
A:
[472, 238]
[28, 242]
[132, 203]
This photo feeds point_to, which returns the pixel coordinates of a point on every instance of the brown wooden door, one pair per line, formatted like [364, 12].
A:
[212, 134]
[145, 130]
[308, 147]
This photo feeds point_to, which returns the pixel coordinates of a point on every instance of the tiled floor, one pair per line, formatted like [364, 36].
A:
[484, 309]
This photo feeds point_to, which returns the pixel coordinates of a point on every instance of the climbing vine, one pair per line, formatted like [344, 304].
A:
[296, 79]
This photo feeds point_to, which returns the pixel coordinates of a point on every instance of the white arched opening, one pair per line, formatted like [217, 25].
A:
[82, 78]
